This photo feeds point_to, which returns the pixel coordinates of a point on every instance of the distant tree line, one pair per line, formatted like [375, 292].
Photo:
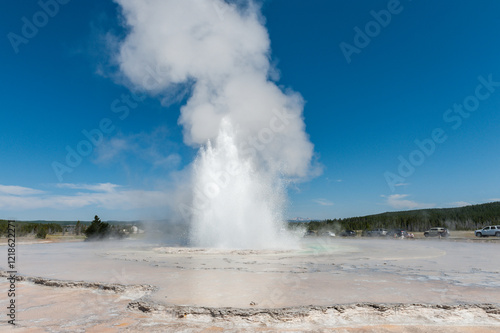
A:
[40, 230]
[461, 218]
[95, 230]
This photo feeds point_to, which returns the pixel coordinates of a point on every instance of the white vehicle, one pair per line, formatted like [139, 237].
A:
[492, 230]
[435, 232]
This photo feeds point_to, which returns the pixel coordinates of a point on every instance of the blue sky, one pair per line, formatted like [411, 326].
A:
[364, 111]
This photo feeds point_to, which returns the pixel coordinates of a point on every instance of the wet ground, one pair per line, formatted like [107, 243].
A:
[383, 285]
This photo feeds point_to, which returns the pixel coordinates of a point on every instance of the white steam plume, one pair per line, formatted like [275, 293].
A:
[235, 113]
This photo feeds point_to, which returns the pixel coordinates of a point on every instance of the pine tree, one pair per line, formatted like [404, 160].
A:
[97, 229]
[78, 228]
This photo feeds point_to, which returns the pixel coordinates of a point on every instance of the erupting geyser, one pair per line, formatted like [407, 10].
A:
[235, 205]
[251, 133]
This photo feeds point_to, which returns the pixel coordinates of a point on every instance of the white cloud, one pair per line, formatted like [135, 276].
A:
[18, 190]
[398, 201]
[494, 199]
[323, 202]
[107, 196]
[110, 149]
[102, 187]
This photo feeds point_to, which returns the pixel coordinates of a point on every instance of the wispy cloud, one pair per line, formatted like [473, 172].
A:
[398, 201]
[494, 199]
[108, 196]
[102, 187]
[18, 190]
[111, 149]
[334, 180]
[153, 148]
[402, 184]
[323, 202]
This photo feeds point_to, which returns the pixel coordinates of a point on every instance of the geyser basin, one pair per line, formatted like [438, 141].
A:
[321, 272]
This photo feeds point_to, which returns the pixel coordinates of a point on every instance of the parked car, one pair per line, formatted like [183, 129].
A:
[348, 233]
[435, 232]
[492, 230]
[327, 234]
[376, 232]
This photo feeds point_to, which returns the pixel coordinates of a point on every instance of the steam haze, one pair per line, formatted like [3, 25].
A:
[221, 52]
